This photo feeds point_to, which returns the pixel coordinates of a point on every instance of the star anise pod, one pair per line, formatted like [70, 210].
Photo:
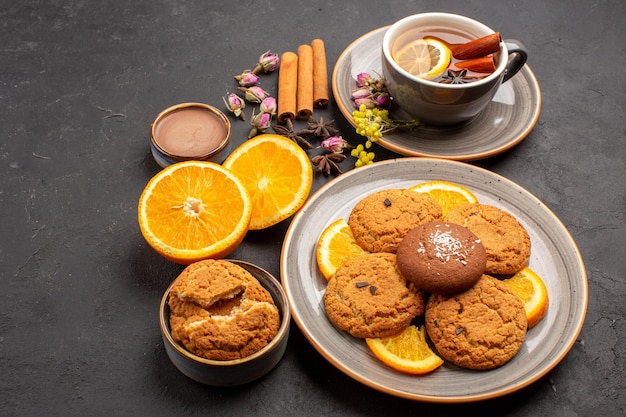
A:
[327, 163]
[321, 129]
[291, 134]
[456, 77]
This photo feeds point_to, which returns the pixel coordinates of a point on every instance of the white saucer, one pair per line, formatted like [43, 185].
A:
[506, 121]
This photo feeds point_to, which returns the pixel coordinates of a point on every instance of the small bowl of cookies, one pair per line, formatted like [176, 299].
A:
[224, 322]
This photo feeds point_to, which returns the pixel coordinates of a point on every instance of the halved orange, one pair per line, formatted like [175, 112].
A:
[533, 292]
[424, 58]
[447, 194]
[335, 246]
[194, 210]
[277, 174]
[406, 352]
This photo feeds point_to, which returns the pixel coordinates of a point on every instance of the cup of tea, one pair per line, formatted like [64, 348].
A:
[443, 68]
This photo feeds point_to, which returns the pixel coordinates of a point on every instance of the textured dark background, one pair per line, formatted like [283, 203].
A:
[81, 81]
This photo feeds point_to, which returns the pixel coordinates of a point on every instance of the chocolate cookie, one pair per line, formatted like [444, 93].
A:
[219, 311]
[481, 328]
[367, 297]
[441, 257]
[381, 220]
[506, 241]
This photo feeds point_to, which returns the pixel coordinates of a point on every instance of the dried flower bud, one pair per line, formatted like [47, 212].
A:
[260, 123]
[378, 85]
[382, 100]
[268, 62]
[254, 94]
[360, 93]
[247, 78]
[363, 79]
[368, 102]
[235, 104]
[335, 144]
[265, 121]
[269, 105]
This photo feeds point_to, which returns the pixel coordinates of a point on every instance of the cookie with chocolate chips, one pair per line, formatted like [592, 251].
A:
[380, 221]
[368, 297]
[481, 328]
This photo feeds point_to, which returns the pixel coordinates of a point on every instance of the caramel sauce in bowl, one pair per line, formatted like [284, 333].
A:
[190, 131]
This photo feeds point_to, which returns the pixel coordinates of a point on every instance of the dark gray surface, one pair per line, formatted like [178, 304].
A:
[80, 82]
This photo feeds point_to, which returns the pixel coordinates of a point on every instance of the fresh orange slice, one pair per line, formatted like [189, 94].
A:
[277, 174]
[406, 352]
[424, 58]
[447, 194]
[533, 292]
[335, 246]
[194, 210]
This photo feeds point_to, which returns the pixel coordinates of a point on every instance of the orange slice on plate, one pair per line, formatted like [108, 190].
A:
[277, 174]
[194, 210]
[406, 352]
[533, 292]
[335, 246]
[447, 194]
[424, 58]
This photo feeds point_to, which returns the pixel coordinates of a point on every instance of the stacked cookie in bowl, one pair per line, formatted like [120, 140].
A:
[224, 322]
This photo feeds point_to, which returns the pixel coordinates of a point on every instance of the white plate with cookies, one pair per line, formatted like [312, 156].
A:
[554, 257]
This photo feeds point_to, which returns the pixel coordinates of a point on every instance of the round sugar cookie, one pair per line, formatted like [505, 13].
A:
[481, 328]
[380, 221]
[506, 241]
[368, 297]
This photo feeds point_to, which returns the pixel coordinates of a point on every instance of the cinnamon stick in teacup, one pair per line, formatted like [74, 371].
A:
[477, 48]
[304, 97]
[485, 64]
[287, 86]
[320, 74]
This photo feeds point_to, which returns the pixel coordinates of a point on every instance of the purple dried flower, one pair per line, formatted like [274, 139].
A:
[247, 78]
[363, 79]
[254, 94]
[382, 100]
[269, 105]
[334, 144]
[260, 123]
[268, 62]
[368, 102]
[235, 104]
[360, 93]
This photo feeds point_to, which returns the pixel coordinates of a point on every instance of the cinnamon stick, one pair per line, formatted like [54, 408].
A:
[304, 97]
[320, 74]
[287, 86]
[485, 64]
[477, 48]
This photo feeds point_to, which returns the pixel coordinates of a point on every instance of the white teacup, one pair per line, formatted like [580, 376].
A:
[444, 104]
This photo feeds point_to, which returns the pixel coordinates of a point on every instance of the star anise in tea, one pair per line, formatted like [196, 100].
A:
[456, 77]
[327, 163]
[296, 136]
[320, 128]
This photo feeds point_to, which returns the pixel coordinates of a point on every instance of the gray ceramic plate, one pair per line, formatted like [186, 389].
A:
[554, 257]
[506, 121]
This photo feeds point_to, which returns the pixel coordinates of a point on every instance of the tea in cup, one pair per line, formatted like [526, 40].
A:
[443, 68]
